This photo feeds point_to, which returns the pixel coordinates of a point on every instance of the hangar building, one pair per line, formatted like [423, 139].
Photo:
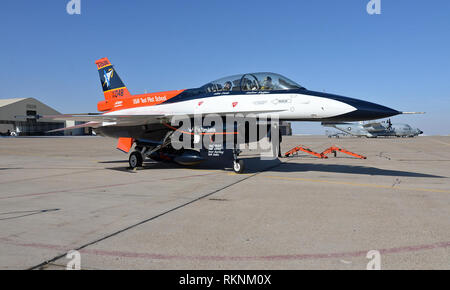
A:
[25, 124]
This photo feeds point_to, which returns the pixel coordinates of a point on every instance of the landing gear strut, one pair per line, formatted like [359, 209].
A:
[142, 151]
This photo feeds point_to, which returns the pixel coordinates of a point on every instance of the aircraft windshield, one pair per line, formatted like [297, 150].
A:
[252, 82]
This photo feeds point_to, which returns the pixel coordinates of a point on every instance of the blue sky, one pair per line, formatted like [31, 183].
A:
[400, 58]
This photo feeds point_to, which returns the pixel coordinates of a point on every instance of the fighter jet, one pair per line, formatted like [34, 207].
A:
[376, 129]
[145, 120]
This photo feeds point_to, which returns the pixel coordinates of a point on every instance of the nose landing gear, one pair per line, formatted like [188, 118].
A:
[238, 164]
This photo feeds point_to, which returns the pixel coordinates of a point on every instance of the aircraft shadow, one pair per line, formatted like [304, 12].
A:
[149, 164]
[113, 161]
[348, 169]
[256, 165]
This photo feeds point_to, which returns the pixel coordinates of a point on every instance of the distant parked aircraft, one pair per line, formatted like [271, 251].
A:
[335, 134]
[376, 129]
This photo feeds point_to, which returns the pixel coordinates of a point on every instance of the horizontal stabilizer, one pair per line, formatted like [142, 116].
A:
[85, 125]
[120, 120]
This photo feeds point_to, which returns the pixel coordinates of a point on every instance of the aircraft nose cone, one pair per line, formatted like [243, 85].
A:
[365, 110]
[370, 111]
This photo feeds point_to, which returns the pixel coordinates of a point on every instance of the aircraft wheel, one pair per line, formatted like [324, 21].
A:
[135, 159]
[238, 166]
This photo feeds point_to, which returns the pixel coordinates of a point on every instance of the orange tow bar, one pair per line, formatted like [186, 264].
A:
[323, 155]
[304, 149]
[333, 149]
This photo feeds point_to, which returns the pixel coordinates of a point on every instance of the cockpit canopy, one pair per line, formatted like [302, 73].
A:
[263, 81]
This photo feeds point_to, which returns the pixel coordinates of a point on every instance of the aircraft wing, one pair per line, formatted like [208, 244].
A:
[373, 124]
[97, 120]
[374, 127]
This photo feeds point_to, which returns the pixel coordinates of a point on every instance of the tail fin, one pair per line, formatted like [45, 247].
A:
[112, 85]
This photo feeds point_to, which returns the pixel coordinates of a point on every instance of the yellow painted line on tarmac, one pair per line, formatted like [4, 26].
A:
[233, 173]
[219, 170]
[356, 184]
[203, 170]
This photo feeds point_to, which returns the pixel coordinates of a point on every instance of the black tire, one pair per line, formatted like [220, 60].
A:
[238, 166]
[135, 159]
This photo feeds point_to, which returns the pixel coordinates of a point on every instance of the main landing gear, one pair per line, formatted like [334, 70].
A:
[142, 151]
[136, 159]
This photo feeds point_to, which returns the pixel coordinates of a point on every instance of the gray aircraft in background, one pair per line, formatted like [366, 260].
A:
[376, 129]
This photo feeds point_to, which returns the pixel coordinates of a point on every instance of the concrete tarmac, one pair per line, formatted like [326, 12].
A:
[62, 194]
